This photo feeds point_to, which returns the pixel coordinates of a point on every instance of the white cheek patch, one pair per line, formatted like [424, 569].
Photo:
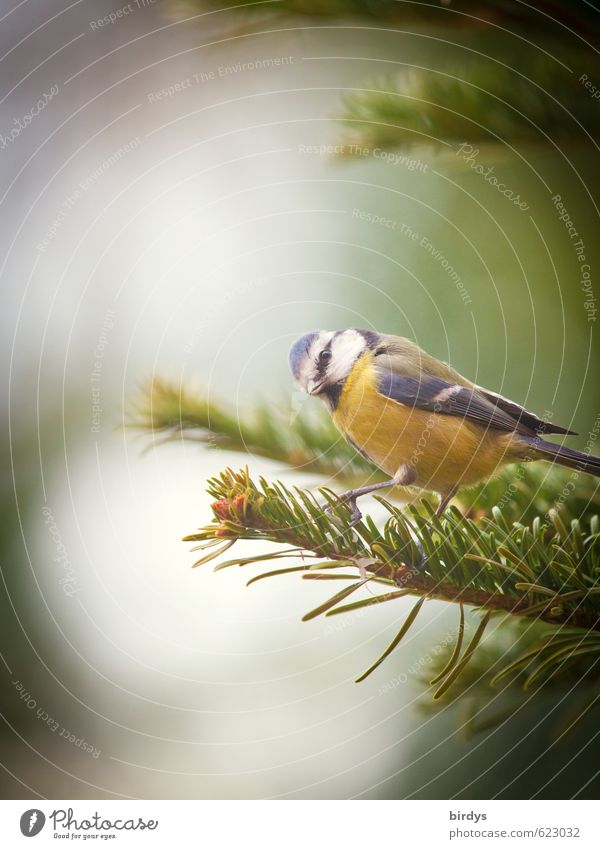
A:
[345, 350]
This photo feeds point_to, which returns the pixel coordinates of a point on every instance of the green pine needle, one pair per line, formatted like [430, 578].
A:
[401, 633]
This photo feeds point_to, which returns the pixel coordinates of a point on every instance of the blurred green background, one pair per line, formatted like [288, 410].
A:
[188, 203]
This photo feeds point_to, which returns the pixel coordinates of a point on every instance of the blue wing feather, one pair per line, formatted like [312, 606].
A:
[439, 396]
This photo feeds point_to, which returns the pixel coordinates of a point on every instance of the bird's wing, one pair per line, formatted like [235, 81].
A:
[438, 396]
[521, 414]
[403, 358]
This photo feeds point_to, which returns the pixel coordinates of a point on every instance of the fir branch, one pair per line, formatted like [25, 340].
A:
[167, 411]
[476, 102]
[481, 563]
[472, 15]
[520, 77]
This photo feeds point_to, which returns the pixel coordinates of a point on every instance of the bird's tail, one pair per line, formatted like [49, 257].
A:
[539, 449]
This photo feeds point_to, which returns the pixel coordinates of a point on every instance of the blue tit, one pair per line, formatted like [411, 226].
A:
[416, 418]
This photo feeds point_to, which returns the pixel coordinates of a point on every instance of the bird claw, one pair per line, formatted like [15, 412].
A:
[356, 515]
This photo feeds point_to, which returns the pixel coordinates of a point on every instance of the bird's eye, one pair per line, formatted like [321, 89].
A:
[324, 356]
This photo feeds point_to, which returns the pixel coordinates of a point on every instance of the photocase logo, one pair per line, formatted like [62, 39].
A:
[32, 822]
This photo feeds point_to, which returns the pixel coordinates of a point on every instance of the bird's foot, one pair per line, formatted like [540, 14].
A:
[349, 498]
[352, 495]
[356, 515]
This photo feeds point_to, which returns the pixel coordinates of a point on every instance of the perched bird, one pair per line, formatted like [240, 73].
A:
[418, 419]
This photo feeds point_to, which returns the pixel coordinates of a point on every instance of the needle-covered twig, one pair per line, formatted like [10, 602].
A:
[546, 572]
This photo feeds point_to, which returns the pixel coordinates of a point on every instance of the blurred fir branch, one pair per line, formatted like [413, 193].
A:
[522, 660]
[476, 102]
[519, 82]
[544, 572]
[544, 16]
[268, 430]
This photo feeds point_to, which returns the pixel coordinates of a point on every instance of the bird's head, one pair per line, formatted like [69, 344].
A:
[322, 360]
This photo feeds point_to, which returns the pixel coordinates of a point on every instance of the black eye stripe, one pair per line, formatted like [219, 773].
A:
[323, 358]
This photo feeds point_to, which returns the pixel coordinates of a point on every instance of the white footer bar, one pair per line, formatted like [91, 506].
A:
[300, 824]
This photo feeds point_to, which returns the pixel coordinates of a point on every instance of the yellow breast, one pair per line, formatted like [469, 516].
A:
[443, 450]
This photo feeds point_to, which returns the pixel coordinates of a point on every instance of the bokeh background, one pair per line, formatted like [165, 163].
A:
[201, 186]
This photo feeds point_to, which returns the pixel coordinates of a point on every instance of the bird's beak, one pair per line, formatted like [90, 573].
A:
[313, 387]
